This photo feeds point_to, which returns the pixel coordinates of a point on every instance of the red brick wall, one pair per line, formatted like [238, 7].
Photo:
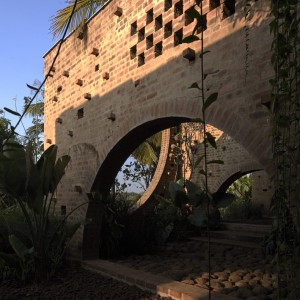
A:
[151, 97]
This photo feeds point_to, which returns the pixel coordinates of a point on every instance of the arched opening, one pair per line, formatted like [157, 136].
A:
[118, 155]
[110, 168]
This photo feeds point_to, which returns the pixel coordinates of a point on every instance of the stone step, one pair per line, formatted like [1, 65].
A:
[150, 282]
[230, 242]
[237, 235]
[247, 227]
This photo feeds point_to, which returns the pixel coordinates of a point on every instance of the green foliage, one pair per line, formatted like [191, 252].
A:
[242, 208]
[192, 200]
[4, 128]
[83, 11]
[35, 240]
[284, 109]
[34, 133]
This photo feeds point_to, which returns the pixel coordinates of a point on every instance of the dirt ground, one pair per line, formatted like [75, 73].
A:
[75, 283]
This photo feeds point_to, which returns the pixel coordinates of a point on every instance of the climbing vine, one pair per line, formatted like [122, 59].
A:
[196, 13]
[285, 110]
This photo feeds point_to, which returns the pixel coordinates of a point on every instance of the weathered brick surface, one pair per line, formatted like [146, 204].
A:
[143, 93]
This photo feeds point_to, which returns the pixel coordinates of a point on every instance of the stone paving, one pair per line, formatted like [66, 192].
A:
[241, 272]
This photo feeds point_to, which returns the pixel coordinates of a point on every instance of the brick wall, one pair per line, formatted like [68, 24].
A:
[125, 78]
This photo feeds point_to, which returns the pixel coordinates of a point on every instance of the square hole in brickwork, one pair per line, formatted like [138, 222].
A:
[168, 4]
[141, 59]
[149, 41]
[178, 9]
[133, 28]
[141, 35]
[187, 20]
[214, 4]
[158, 22]
[204, 22]
[168, 29]
[149, 18]
[97, 68]
[158, 49]
[228, 8]
[178, 37]
[80, 113]
[133, 52]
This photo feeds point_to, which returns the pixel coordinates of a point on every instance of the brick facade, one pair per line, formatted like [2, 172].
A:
[126, 78]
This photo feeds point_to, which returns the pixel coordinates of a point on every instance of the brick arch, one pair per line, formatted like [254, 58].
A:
[146, 122]
[232, 174]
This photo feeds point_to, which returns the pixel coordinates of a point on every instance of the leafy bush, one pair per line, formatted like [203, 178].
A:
[242, 208]
[34, 239]
[192, 200]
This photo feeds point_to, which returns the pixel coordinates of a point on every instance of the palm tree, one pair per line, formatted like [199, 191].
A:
[83, 11]
[4, 128]
[147, 153]
[36, 112]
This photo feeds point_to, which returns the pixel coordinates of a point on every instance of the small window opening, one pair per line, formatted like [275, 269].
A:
[188, 20]
[80, 113]
[168, 29]
[158, 22]
[141, 35]
[214, 4]
[149, 41]
[228, 8]
[133, 29]
[133, 52]
[158, 49]
[149, 16]
[200, 29]
[168, 4]
[178, 9]
[141, 59]
[97, 68]
[178, 37]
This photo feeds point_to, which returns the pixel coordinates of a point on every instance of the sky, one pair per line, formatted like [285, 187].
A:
[25, 38]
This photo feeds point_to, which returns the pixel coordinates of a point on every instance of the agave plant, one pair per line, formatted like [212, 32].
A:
[38, 247]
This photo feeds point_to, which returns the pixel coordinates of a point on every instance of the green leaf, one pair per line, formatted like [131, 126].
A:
[196, 193]
[198, 161]
[211, 139]
[190, 39]
[178, 194]
[18, 246]
[202, 172]
[211, 99]
[216, 161]
[193, 13]
[12, 112]
[203, 53]
[194, 86]
[198, 217]
[59, 171]
[32, 87]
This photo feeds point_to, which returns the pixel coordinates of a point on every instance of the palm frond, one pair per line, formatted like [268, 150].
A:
[35, 109]
[35, 130]
[148, 151]
[83, 11]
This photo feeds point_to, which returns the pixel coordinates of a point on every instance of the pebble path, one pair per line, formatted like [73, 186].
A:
[245, 273]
